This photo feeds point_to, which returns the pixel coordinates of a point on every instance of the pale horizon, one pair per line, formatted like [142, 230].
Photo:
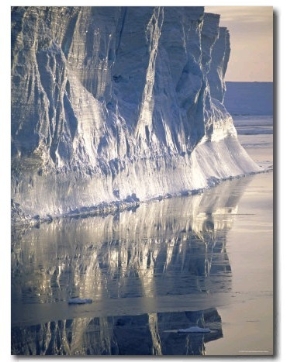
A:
[251, 41]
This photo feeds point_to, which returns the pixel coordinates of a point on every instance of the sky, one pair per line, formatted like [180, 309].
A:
[251, 39]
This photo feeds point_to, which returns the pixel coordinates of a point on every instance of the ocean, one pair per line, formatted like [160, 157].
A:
[155, 271]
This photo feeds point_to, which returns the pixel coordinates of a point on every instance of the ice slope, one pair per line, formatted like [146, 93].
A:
[115, 105]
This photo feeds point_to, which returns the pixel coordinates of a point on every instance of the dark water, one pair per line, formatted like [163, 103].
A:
[149, 273]
[144, 334]
[249, 98]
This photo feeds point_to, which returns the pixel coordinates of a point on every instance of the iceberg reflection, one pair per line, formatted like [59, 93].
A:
[147, 265]
[145, 334]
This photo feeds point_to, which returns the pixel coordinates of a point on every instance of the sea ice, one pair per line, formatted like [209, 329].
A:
[194, 329]
[79, 301]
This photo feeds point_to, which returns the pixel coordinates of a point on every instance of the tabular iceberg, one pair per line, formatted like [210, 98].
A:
[116, 105]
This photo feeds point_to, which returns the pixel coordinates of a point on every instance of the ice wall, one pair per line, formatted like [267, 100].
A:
[113, 105]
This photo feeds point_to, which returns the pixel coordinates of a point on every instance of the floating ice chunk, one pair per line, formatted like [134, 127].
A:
[79, 301]
[194, 329]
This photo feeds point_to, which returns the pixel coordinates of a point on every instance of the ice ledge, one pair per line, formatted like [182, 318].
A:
[180, 176]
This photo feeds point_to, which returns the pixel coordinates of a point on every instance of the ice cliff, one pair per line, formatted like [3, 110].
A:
[112, 105]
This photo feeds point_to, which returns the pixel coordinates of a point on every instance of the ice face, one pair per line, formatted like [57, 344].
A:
[117, 104]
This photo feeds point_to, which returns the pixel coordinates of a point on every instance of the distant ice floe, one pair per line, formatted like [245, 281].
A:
[194, 329]
[80, 301]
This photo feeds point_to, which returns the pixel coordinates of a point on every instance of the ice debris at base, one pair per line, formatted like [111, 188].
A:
[79, 301]
[117, 105]
[194, 329]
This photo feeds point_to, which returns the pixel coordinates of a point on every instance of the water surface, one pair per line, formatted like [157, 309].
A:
[204, 260]
[162, 267]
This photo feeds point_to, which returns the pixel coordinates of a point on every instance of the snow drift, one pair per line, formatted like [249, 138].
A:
[115, 105]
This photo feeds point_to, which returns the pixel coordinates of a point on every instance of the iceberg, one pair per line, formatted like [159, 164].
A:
[117, 105]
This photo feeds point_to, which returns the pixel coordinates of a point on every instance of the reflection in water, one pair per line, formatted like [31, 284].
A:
[145, 334]
[167, 249]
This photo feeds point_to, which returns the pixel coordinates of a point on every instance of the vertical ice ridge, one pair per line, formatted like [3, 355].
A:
[153, 32]
[220, 57]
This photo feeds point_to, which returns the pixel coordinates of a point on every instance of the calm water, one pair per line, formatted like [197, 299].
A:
[204, 260]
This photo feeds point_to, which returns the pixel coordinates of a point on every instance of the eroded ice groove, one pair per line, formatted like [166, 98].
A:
[117, 105]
